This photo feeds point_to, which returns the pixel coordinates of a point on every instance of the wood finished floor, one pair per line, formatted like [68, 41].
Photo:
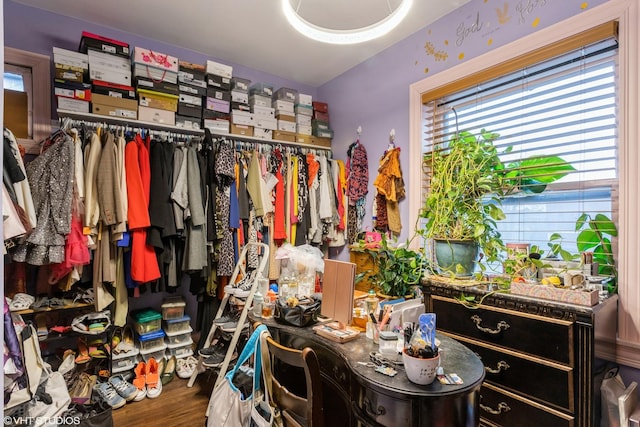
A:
[177, 406]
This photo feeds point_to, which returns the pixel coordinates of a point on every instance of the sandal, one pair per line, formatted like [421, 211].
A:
[83, 352]
[21, 301]
[126, 343]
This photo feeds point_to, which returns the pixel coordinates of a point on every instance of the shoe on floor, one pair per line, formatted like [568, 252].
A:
[185, 367]
[154, 391]
[109, 395]
[140, 381]
[123, 387]
[169, 371]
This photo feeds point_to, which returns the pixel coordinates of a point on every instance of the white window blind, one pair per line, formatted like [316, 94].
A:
[565, 106]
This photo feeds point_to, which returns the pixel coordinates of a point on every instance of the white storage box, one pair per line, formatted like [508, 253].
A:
[156, 353]
[173, 308]
[155, 115]
[155, 59]
[179, 338]
[304, 99]
[122, 362]
[180, 350]
[219, 69]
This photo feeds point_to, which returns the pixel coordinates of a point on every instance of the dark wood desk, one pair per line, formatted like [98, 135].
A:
[356, 395]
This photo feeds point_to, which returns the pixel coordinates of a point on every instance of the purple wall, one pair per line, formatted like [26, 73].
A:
[375, 93]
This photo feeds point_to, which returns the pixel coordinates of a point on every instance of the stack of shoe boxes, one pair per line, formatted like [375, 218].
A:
[304, 112]
[283, 102]
[192, 84]
[176, 327]
[70, 86]
[155, 105]
[109, 65]
[241, 116]
[263, 114]
[320, 121]
[217, 105]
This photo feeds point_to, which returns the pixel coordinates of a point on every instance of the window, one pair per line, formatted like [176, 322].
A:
[32, 72]
[494, 64]
[565, 106]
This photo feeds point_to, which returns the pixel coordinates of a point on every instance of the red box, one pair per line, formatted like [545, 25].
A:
[323, 117]
[103, 44]
[320, 106]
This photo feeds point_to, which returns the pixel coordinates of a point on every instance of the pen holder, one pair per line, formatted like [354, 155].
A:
[420, 371]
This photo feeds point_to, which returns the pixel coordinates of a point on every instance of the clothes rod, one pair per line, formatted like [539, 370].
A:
[122, 121]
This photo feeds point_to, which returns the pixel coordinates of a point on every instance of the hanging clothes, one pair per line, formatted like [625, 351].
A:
[21, 187]
[357, 170]
[50, 179]
[390, 184]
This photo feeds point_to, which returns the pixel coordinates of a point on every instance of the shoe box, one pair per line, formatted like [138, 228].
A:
[109, 68]
[156, 353]
[123, 362]
[181, 350]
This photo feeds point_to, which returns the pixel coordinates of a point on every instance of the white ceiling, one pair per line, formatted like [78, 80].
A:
[254, 33]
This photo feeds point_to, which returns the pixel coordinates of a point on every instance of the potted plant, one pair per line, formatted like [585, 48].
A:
[464, 203]
[399, 268]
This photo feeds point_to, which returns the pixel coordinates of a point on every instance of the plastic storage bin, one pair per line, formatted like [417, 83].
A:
[122, 362]
[151, 340]
[180, 325]
[146, 321]
[173, 308]
[179, 338]
[180, 350]
[157, 353]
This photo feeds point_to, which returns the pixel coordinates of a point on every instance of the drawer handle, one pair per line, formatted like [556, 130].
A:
[369, 409]
[502, 407]
[501, 366]
[501, 326]
[338, 374]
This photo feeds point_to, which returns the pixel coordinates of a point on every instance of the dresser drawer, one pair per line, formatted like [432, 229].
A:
[379, 409]
[506, 409]
[536, 335]
[334, 368]
[526, 375]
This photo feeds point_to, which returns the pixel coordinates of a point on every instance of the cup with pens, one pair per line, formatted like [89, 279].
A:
[421, 356]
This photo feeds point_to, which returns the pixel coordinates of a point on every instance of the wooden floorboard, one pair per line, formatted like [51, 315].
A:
[177, 406]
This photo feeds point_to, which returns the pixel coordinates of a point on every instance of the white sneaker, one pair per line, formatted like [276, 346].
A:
[153, 392]
[186, 366]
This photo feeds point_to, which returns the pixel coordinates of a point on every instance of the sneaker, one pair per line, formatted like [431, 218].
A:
[216, 359]
[244, 286]
[226, 318]
[123, 387]
[231, 326]
[220, 347]
[109, 395]
[154, 391]
[185, 367]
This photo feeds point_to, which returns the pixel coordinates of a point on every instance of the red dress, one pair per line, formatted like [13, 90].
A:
[144, 263]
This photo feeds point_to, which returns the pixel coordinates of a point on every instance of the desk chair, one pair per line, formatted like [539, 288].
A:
[296, 410]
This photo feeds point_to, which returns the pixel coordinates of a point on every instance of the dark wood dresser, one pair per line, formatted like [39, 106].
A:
[540, 357]
[355, 395]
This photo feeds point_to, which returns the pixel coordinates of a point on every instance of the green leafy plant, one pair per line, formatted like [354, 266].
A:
[469, 182]
[595, 235]
[399, 268]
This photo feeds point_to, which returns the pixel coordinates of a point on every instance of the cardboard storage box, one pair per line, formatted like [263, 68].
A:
[155, 59]
[266, 112]
[166, 87]
[323, 107]
[241, 117]
[304, 129]
[262, 133]
[189, 71]
[303, 139]
[220, 82]
[210, 114]
[282, 106]
[71, 58]
[321, 142]
[108, 62]
[281, 135]
[113, 89]
[265, 123]
[191, 123]
[73, 90]
[259, 101]
[192, 90]
[243, 130]
[218, 105]
[323, 117]
[156, 115]
[70, 73]
[155, 74]
[162, 101]
[303, 110]
[239, 96]
[319, 125]
[322, 133]
[219, 94]
[219, 69]
[217, 125]
[112, 111]
[75, 105]
[287, 126]
[303, 120]
[304, 99]
[189, 110]
[103, 44]
[286, 117]
[240, 106]
[190, 99]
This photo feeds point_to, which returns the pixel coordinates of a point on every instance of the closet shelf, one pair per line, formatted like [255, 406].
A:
[96, 118]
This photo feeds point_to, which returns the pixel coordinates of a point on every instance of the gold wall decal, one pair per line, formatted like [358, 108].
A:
[426, 70]
[503, 14]
[439, 55]
[535, 22]
[584, 5]
[461, 56]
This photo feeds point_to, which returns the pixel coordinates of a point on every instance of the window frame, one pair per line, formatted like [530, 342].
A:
[40, 66]
[627, 15]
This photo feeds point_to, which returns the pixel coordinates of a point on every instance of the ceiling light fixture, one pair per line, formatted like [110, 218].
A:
[357, 35]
